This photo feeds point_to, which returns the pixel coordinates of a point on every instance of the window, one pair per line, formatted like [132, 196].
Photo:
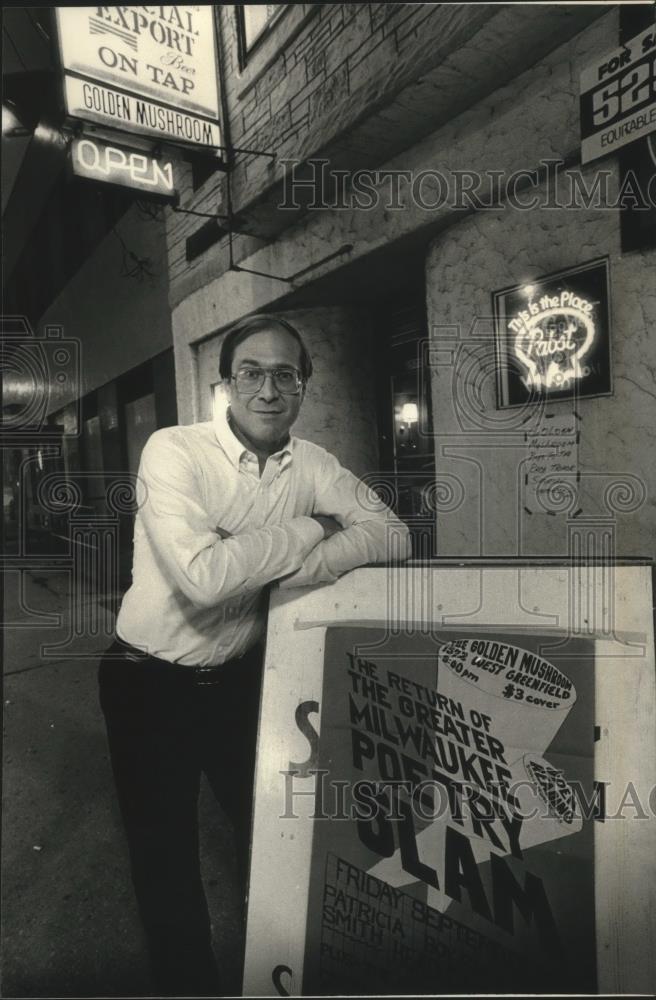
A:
[253, 23]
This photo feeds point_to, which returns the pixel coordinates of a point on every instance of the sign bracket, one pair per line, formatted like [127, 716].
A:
[231, 231]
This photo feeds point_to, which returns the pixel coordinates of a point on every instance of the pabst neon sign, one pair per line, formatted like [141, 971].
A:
[553, 336]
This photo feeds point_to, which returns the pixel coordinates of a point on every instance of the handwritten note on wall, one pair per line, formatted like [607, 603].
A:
[552, 454]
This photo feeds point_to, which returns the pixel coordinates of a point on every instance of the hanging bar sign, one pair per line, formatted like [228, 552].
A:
[130, 168]
[150, 70]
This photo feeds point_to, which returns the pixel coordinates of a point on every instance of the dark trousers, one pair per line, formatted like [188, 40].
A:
[164, 728]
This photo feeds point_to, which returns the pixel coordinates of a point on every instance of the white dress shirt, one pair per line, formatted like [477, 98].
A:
[197, 598]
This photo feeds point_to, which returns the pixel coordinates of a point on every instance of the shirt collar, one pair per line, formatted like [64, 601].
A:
[233, 447]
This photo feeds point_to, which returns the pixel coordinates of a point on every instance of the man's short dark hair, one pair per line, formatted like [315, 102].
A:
[253, 324]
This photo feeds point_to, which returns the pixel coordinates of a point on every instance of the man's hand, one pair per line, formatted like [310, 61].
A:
[329, 524]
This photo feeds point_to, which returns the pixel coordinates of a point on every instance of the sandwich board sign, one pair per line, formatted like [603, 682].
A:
[432, 807]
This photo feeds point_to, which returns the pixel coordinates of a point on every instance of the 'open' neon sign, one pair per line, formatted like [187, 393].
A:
[129, 168]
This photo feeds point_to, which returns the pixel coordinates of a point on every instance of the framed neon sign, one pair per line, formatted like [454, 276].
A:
[553, 336]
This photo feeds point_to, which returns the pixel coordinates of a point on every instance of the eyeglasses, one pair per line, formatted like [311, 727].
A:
[287, 381]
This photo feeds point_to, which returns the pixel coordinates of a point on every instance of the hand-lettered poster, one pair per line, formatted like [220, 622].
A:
[453, 845]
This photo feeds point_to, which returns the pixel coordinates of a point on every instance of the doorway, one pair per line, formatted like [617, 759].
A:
[405, 418]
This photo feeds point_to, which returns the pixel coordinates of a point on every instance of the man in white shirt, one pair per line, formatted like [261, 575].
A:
[227, 507]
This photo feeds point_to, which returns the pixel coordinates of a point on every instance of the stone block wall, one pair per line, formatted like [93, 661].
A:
[333, 51]
[321, 71]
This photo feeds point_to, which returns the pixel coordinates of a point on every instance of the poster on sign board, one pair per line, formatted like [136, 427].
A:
[553, 336]
[453, 850]
[444, 760]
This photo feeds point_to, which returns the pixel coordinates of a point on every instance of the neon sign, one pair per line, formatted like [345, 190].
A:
[100, 161]
[553, 336]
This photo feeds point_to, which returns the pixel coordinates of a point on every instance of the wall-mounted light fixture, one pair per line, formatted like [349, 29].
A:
[409, 413]
[12, 126]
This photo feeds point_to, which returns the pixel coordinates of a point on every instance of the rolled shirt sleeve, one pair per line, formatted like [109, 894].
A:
[206, 568]
[371, 533]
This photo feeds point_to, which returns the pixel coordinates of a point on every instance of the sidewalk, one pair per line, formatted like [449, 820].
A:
[70, 926]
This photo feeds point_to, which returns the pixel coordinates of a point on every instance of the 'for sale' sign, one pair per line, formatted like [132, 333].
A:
[618, 97]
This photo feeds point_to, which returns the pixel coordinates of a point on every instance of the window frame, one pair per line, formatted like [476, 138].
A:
[271, 44]
[245, 51]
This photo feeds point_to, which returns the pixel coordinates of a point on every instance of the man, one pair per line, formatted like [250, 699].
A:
[229, 507]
